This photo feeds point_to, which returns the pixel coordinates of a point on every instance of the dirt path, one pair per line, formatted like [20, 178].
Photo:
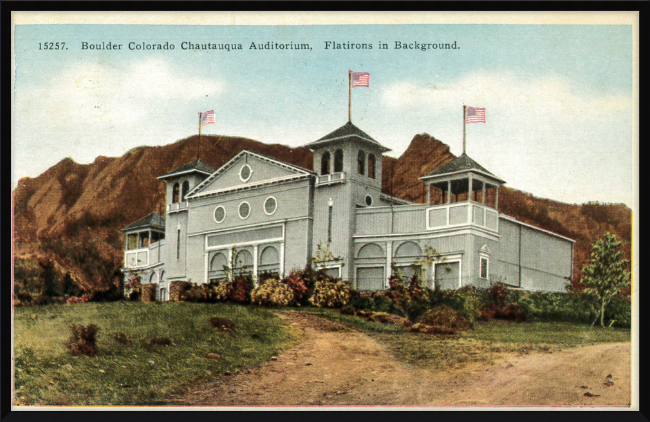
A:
[337, 366]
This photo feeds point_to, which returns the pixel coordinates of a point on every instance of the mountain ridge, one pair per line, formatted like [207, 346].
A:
[87, 204]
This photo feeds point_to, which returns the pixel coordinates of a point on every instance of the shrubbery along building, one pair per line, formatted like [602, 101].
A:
[260, 215]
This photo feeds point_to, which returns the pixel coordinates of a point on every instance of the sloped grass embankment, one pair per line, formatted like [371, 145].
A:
[136, 373]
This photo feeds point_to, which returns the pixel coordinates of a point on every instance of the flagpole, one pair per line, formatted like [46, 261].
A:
[349, 96]
[198, 144]
[464, 124]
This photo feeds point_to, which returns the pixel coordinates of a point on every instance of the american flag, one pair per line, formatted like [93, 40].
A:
[207, 117]
[360, 78]
[475, 115]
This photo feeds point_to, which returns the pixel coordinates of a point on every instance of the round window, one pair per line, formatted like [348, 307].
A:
[368, 200]
[219, 214]
[245, 173]
[270, 205]
[244, 210]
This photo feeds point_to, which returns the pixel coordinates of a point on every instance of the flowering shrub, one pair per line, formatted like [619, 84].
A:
[241, 289]
[195, 293]
[330, 294]
[74, 299]
[132, 287]
[411, 300]
[273, 293]
[221, 292]
[302, 283]
[501, 306]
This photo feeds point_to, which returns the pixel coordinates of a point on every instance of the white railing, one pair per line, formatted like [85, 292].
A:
[327, 179]
[135, 258]
[176, 206]
[462, 213]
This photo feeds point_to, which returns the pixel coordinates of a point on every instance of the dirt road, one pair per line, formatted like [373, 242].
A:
[337, 366]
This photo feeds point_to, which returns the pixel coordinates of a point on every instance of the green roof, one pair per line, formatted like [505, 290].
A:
[346, 132]
[153, 220]
[197, 165]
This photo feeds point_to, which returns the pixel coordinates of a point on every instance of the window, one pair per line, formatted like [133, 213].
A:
[185, 191]
[245, 173]
[371, 166]
[361, 162]
[219, 214]
[329, 225]
[175, 193]
[178, 244]
[270, 205]
[484, 267]
[325, 163]
[368, 200]
[244, 210]
[338, 161]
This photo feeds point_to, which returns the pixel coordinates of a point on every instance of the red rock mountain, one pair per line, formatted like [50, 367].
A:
[73, 204]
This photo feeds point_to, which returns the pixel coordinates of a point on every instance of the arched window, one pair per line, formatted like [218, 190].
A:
[361, 162]
[185, 191]
[175, 193]
[371, 250]
[371, 166]
[218, 262]
[338, 161]
[243, 261]
[153, 278]
[325, 163]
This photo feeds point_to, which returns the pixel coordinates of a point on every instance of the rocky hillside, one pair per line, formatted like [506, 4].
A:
[70, 215]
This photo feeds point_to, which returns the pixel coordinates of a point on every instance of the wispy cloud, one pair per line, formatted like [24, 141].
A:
[548, 96]
[114, 95]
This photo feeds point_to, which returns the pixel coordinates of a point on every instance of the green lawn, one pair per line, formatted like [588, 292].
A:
[482, 344]
[124, 374]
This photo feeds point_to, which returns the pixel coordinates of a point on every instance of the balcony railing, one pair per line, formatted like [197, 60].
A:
[135, 258]
[330, 179]
[462, 213]
[405, 219]
[177, 206]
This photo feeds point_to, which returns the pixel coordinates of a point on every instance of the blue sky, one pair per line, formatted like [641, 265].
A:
[559, 98]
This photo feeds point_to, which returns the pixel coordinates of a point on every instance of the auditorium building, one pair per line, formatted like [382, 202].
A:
[265, 215]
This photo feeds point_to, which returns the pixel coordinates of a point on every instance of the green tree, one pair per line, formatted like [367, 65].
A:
[605, 274]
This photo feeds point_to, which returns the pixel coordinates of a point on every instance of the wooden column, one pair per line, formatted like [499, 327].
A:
[428, 194]
[483, 195]
[449, 191]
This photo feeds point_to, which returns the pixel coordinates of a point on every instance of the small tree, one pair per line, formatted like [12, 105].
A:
[605, 274]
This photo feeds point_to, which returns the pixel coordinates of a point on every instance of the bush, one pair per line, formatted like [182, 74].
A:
[273, 293]
[302, 283]
[445, 320]
[408, 297]
[83, 341]
[195, 293]
[221, 292]
[501, 304]
[241, 289]
[330, 294]
[266, 275]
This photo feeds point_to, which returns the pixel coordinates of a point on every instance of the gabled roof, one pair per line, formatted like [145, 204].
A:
[460, 164]
[296, 169]
[347, 132]
[196, 166]
[153, 220]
